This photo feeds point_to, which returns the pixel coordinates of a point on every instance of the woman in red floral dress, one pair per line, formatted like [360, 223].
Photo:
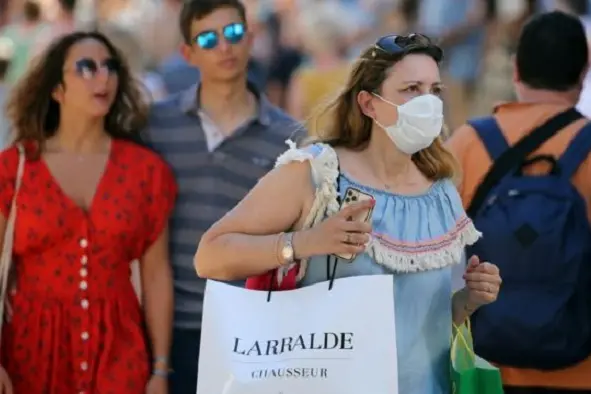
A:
[91, 201]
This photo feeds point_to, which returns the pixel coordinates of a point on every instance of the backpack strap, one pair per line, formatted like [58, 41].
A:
[519, 152]
[492, 137]
[576, 152]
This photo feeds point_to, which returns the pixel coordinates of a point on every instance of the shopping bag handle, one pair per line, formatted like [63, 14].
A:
[330, 276]
[460, 335]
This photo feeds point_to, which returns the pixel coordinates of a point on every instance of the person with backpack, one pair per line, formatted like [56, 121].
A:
[526, 185]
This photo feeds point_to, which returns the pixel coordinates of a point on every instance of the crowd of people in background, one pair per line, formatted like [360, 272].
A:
[302, 49]
[221, 85]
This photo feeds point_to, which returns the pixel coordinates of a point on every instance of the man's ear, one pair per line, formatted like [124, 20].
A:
[186, 51]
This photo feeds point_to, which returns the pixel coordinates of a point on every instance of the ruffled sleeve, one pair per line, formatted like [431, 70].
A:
[160, 202]
[430, 231]
[325, 171]
[8, 169]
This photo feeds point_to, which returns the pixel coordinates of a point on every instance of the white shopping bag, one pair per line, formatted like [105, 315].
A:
[310, 340]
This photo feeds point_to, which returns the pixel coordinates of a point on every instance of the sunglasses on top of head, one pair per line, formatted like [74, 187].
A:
[393, 44]
[87, 68]
[232, 33]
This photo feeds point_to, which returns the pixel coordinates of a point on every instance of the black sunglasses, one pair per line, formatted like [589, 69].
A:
[393, 44]
[88, 68]
[232, 33]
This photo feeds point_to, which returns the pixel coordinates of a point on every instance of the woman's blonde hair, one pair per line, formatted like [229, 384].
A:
[350, 128]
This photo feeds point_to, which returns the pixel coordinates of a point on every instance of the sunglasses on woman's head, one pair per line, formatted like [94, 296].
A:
[232, 33]
[88, 68]
[394, 44]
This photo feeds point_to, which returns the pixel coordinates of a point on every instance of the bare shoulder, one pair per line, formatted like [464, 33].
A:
[297, 174]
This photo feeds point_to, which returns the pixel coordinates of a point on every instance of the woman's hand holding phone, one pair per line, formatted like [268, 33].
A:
[337, 235]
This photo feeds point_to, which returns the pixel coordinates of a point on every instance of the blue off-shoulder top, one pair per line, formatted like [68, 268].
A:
[416, 239]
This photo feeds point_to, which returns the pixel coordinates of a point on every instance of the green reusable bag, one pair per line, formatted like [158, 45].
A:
[471, 374]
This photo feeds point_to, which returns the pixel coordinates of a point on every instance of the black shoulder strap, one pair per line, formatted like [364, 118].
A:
[516, 154]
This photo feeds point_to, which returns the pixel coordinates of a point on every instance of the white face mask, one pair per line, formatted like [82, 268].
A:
[420, 121]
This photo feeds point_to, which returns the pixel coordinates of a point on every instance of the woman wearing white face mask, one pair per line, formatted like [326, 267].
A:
[384, 141]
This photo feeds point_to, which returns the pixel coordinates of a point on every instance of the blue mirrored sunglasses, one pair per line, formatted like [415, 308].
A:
[232, 33]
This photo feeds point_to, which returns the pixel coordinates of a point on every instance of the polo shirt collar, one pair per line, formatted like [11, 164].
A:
[189, 103]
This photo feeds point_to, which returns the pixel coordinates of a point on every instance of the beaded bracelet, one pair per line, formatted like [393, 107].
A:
[160, 372]
[160, 360]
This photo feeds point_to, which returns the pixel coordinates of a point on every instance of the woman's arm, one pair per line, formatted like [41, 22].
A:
[460, 307]
[2, 230]
[245, 242]
[483, 283]
[7, 307]
[158, 299]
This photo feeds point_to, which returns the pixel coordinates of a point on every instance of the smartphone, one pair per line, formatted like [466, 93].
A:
[352, 196]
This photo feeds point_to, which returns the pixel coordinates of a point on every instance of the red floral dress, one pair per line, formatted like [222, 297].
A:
[77, 325]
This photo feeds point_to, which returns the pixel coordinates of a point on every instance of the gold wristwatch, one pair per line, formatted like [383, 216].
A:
[287, 252]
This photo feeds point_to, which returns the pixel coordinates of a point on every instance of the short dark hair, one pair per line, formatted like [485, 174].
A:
[32, 10]
[4, 64]
[68, 5]
[552, 52]
[199, 9]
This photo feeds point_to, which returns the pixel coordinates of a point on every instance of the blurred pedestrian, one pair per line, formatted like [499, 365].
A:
[64, 23]
[460, 26]
[284, 43]
[23, 34]
[537, 332]
[321, 77]
[159, 43]
[90, 202]
[220, 136]
[126, 41]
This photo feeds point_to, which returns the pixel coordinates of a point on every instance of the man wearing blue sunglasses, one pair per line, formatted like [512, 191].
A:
[219, 137]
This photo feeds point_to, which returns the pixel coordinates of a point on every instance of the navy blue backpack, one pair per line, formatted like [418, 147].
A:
[536, 230]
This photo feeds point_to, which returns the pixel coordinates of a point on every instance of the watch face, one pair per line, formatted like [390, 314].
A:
[287, 253]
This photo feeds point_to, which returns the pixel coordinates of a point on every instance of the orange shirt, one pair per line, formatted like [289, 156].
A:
[516, 120]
